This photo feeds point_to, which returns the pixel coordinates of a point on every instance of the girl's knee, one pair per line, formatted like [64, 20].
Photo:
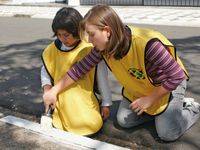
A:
[169, 126]
[169, 133]
[121, 121]
[126, 122]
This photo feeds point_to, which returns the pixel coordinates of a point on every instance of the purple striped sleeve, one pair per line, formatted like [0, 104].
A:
[168, 71]
[85, 65]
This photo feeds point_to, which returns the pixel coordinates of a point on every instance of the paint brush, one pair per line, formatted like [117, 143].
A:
[46, 119]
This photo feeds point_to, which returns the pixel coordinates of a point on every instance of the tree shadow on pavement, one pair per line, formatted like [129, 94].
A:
[21, 91]
[189, 51]
[20, 76]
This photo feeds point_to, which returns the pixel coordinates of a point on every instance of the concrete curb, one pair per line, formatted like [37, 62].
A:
[76, 141]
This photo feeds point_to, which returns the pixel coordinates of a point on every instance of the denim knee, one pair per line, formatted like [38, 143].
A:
[121, 120]
[169, 134]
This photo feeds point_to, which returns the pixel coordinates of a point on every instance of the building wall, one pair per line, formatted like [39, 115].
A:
[113, 2]
[143, 2]
[172, 2]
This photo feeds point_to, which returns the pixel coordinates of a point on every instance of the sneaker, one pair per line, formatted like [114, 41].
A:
[190, 102]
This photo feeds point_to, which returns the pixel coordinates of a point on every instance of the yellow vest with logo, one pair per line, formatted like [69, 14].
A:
[130, 70]
[77, 109]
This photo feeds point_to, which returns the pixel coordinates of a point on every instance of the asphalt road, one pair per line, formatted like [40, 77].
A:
[23, 39]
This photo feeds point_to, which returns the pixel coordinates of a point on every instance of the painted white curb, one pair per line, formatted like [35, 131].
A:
[59, 135]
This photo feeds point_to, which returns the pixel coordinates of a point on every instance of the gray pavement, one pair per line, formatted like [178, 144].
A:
[20, 64]
[176, 16]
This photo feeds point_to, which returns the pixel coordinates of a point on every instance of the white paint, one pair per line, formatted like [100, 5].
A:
[46, 122]
[62, 136]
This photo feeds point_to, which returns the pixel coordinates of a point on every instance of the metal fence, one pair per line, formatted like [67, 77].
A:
[190, 3]
[113, 2]
[171, 2]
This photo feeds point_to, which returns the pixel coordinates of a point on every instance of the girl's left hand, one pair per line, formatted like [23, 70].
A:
[105, 112]
[141, 104]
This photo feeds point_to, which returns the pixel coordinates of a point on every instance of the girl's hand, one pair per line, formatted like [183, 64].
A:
[105, 112]
[50, 98]
[141, 104]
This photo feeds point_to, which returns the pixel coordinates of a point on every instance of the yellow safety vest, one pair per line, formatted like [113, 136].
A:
[130, 70]
[77, 109]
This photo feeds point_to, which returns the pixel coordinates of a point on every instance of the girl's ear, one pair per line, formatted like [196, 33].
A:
[108, 31]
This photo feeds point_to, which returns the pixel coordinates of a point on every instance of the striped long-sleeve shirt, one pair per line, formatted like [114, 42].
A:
[160, 66]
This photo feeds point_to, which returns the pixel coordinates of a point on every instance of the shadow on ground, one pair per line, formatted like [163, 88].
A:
[189, 51]
[21, 92]
[20, 77]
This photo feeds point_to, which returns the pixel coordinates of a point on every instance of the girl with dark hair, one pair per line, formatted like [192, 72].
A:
[77, 108]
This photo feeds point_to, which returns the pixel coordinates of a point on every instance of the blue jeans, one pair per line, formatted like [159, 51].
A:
[170, 124]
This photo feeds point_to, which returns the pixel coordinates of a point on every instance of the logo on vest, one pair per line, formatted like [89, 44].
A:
[137, 73]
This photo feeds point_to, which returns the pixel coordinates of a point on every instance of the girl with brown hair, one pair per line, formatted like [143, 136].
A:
[147, 66]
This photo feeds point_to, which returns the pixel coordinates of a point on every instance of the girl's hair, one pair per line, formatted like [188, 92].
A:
[101, 16]
[68, 19]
